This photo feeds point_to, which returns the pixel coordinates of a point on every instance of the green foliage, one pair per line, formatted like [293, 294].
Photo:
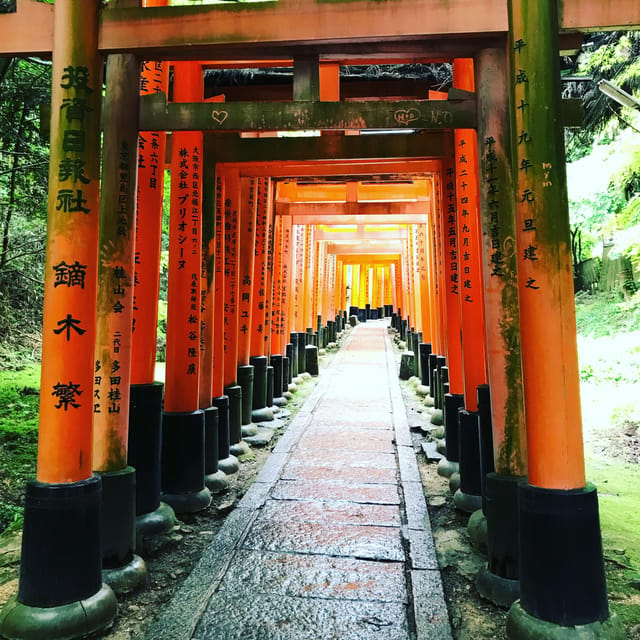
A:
[19, 399]
[607, 314]
[24, 160]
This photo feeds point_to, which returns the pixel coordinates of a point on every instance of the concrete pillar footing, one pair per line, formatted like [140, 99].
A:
[73, 620]
[190, 502]
[441, 447]
[216, 482]
[477, 530]
[523, 626]
[454, 482]
[447, 468]
[248, 430]
[466, 502]
[288, 395]
[229, 465]
[437, 418]
[503, 592]
[280, 402]
[262, 415]
[156, 522]
[127, 578]
[239, 449]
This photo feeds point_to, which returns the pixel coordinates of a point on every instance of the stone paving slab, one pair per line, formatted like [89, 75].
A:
[330, 490]
[375, 420]
[351, 440]
[368, 542]
[368, 475]
[382, 515]
[308, 576]
[332, 541]
[275, 617]
[337, 459]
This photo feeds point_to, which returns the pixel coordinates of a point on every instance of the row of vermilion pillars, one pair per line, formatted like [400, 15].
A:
[501, 216]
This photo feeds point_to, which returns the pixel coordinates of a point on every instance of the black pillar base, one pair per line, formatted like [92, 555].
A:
[222, 404]
[245, 376]
[61, 594]
[145, 443]
[311, 359]
[302, 354]
[260, 410]
[123, 571]
[183, 462]
[499, 582]
[292, 354]
[469, 497]
[270, 386]
[452, 403]
[424, 353]
[214, 478]
[562, 577]
[237, 446]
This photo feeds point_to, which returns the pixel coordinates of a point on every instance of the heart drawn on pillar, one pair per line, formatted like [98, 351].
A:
[219, 116]
[405, 116]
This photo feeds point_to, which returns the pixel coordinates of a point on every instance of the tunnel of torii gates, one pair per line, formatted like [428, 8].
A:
[457, 228]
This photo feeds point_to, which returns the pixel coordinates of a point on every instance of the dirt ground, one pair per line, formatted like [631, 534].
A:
[170, 559]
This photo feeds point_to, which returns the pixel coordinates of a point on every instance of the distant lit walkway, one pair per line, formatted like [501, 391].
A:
[333, 539]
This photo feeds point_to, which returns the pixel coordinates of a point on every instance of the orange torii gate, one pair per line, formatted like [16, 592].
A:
[557, 507]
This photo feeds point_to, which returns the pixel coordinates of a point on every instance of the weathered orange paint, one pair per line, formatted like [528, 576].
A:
[261, 275]
[471, 284]
[451, 293]
[217, 381]
[308, 276]
[151, 153]
[185, 253]
[287, 280]
[232, 226]
[116, 267]
[276, 325]
[66, 405]
[246, 261]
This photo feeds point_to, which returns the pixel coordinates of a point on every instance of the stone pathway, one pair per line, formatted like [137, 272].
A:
[332, 541]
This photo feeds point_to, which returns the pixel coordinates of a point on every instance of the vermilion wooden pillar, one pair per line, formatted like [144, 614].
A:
[425, 290]
[123, 569]
[246, 261]
[145, 399]
[308, 278]
[183, 421]
[505, 421]
[227, 462]
[559, 524]
[215, 478]
[260, 296]
[468, 497]
[232, 225]
[62, 507]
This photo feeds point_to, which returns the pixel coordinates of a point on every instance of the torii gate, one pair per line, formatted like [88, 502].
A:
[522, 195]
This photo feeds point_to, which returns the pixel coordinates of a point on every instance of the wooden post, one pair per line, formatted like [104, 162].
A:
[123, 569]
[62, 507]
[227, 463]
[183, 423]
[469, 249]
[505, 430]
[145, 399]
[232, 225]
[558, 513]
[214, 477]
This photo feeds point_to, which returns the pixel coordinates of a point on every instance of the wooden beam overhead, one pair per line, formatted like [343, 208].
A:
[362, 235]
[383, 30]
[229, 148]
[359, 219]
[327, 209]
[157, 115]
